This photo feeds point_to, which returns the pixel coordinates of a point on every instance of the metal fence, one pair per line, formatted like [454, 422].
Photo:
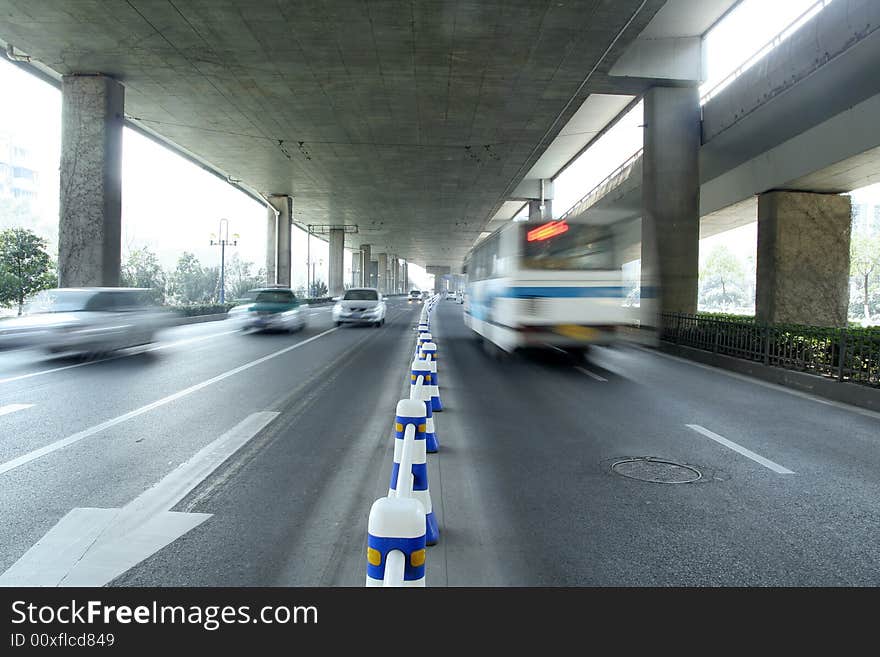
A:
[844, 354]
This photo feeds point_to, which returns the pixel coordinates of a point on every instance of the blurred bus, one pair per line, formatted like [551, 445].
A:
[557, 284]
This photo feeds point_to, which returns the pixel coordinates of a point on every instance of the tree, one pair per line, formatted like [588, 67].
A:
[192, 283]
[142, 269]
[864, 268]
[241, 277]
[318, 289]
[723, 281]
[25, 266]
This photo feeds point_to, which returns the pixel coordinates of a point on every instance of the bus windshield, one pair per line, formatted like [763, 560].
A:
[580, 247]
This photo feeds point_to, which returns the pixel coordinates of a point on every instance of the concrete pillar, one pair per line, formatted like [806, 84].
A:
[336, 284]
[271, 243]
[405, 276]
[395, 275]
[539, 215]
[671, 200]
[283, 205]
[803, 258]
[382, 281]
[90, 219]
[365, 265]
[355, 269]
[374, 274]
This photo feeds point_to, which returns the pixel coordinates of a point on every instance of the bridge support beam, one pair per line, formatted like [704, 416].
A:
[803, 258]
[282, 206]
[366, 279]
[90, 220]
[336, 282]
[671, 200]
[355, 280]
[382, 278]
[271, 243]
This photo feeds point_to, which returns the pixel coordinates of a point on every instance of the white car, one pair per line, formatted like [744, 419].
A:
[360, 305]
[453, 296]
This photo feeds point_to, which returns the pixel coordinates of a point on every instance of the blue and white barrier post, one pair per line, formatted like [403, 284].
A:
[396, 533]
[421, 371]
[412, 412]
[432, 387]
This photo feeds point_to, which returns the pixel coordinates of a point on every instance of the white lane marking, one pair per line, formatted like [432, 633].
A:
[767, 463]
[91, 431]
[11, 408]
[177, 343]
[592, 375]
[91, 547]
[114, 357]
[766, 384]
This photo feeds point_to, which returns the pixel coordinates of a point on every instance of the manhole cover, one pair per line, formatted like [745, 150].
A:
[657, 471]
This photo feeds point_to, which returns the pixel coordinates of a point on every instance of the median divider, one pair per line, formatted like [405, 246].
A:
[402, 524]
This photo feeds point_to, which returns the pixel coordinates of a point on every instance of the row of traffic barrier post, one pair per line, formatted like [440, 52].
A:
[403, 524]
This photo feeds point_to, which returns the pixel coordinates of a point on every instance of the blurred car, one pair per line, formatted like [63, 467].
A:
[415, 296]
[360, 305]
[85, 320]
[270, 309]
[453, 296]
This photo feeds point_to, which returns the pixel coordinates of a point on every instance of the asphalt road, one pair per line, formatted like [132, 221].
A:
[523, 486]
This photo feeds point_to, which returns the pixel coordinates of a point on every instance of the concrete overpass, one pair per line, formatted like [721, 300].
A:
[415, 122]
[797, 128]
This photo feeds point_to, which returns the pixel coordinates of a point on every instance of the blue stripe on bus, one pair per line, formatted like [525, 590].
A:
[604, 292]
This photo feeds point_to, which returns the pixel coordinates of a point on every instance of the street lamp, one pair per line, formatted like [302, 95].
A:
[222, 241]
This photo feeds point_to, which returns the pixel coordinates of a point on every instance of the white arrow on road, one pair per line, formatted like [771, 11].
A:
[91, 547]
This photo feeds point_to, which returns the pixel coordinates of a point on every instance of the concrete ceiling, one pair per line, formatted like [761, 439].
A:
[413, 120]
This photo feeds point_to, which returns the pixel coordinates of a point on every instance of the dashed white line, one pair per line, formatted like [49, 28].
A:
[12, 408]
[592, 375]
[91, 431]
[767, 463]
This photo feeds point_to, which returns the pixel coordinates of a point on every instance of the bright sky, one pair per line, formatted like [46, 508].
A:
[172, 205]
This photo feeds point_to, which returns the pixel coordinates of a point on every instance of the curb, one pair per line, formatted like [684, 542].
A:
[839, 391]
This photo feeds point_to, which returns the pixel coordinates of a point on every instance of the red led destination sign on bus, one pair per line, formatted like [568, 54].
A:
[548, 230]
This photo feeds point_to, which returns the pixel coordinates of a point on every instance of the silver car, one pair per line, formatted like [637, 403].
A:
[85, 320]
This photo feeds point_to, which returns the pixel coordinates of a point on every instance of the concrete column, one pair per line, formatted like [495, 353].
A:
[271, 243]
[284, 206]
[395, 275]
[405, 276]
[382, 280]
[671, 200]
[803, 258]
[374, 274]
[336, 283]
[365, 265]
[90, 219]
[355, 269]
[536, 214]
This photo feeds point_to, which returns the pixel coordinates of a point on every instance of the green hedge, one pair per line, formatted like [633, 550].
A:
[196, 309]
[853, 329]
